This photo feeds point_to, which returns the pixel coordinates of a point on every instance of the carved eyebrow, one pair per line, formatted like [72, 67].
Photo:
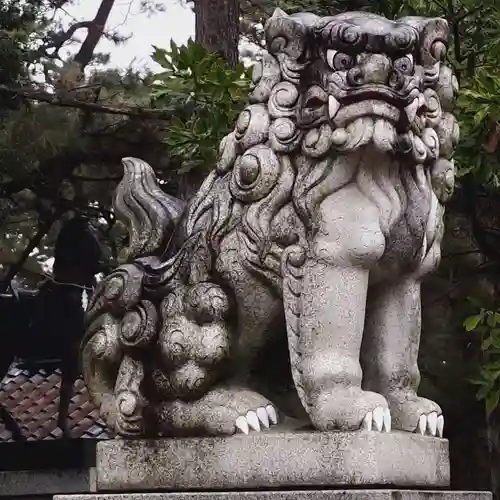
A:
[401, 41]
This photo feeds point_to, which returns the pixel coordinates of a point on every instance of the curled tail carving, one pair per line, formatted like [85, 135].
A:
[120, 322]
[149, 214]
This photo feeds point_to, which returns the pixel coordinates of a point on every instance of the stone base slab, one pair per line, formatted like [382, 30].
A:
[294, 495]
[276, 460]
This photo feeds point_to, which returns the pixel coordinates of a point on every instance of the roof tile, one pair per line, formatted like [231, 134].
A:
[33, 400]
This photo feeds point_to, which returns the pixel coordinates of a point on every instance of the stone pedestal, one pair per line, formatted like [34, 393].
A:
[293, 495]
[277, 466]
[274, 460]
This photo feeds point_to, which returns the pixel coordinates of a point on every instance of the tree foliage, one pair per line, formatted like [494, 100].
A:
[61, 149]
[64, 125]
[209, 95]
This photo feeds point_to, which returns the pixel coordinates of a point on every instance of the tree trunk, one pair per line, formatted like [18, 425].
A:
[217, 27]
[94, 33]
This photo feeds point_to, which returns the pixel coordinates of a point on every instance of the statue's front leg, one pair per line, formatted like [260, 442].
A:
[325, 312]
[390, 355]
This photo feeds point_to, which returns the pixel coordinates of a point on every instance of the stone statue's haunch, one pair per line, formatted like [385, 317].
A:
[316, 227]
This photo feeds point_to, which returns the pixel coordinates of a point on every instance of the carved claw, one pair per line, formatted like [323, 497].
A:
[256, 419]
[273, 416]
[253, 421]
[263, 417]
[242, 424]
[440, 426]
[387, 420]
[378, 420]
[430, 424]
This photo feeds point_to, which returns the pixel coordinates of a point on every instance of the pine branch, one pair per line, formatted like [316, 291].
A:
[65, 102]
[34, 242]
[84, 178]
[61, 38]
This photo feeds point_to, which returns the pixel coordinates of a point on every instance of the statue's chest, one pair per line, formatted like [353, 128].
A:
[409, 215]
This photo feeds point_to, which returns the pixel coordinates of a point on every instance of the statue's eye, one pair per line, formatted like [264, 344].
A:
[404, 64]
[338, 60]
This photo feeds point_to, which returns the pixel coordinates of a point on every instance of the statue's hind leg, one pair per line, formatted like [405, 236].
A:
[390, 352]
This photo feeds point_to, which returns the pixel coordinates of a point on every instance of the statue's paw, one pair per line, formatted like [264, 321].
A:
[431, 424]
[377, 420]
[222, 411]
[252, 411]
[255, 420]
[350, 409]
[412, 413]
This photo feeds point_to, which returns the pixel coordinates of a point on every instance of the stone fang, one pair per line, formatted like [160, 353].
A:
[411, 109]
[333, 107]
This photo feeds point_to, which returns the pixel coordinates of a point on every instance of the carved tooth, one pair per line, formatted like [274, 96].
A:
[378, 418]
[411, 109]
[253, 421]
[440, 426]
[263, 417]
[432, 423]
[422, 424]
[271, 412]
[387, 420]
[421, 101]
[242, 425]
[333, 107]
[367, 422]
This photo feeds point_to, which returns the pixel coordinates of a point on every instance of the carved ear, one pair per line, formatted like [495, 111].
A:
[286, 34]
[279, 13]
[433, 38]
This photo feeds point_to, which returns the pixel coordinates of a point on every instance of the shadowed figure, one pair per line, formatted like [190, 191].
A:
[45, 327]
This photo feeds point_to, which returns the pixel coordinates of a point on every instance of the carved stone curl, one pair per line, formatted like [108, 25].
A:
[315, 229]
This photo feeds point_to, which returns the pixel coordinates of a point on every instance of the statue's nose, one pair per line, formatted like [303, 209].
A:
[371, 69]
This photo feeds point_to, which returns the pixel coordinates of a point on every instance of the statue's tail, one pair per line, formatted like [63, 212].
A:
[149, 214]
[120, 322]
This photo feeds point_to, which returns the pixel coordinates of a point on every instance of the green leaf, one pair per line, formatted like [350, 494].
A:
[492, 401]
[487, 343]
[160, 56]
[491, 320]
[472, 322]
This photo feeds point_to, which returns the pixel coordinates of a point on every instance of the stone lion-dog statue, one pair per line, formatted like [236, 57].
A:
[322, 216]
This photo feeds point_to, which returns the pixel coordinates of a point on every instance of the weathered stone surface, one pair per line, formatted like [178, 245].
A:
[293, 495]
[273, 460]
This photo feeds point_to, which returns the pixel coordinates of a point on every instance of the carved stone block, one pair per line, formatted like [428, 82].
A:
[294, 495]
[274, 460]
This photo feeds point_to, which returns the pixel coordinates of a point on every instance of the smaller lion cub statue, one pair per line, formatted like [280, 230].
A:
[315, 229]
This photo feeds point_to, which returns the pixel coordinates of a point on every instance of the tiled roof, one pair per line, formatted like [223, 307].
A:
[32, 398]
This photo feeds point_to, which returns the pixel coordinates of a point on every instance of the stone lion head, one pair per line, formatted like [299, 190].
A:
[355, 78]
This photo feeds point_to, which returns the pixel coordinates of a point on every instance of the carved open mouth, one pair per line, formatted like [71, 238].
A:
[380, 103]
[348, 105]
[342, 114]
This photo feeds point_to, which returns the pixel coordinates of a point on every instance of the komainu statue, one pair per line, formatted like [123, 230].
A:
[314, 231]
